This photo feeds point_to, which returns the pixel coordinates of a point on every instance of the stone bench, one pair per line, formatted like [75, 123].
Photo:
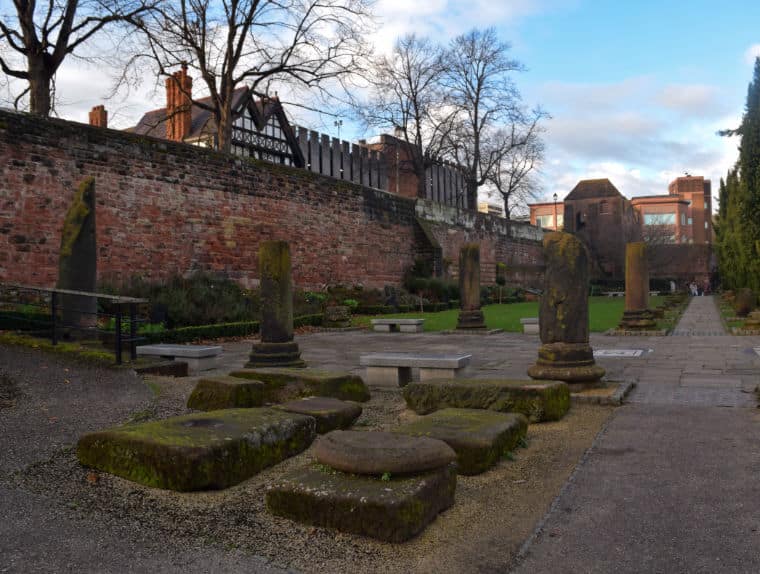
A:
[197, 357]
[393, 370]
[398, 325]
[530, 325]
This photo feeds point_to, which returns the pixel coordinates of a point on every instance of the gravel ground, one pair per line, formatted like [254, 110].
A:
[231, 530]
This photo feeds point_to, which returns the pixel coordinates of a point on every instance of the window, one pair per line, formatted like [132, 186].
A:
[690, 221]
[683, 219]
[705, 225]
[545, 220]
[560, 220]
[604, 207]
[659, 219]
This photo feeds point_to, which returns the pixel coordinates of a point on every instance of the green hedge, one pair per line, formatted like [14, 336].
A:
[239, 329]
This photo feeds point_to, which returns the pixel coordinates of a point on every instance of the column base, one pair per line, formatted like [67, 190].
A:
[275, 355]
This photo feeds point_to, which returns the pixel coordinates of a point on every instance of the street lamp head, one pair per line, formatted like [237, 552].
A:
[555, 197]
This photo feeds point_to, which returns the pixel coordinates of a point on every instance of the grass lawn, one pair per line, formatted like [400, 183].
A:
[604, 313]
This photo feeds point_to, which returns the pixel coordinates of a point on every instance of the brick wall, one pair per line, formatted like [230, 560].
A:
[165, 207]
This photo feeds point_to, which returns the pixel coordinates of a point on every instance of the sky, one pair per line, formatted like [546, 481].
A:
[636, 90]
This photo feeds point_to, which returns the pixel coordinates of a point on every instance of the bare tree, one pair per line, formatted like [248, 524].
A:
[519, 150]
[405, 94]
[479, 85]
[35, 40]
[258, 43]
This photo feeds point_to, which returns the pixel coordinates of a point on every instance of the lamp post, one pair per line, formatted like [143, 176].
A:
[555, 212]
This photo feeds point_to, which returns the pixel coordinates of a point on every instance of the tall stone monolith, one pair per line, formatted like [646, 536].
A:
[565, 353]
[637, 316]
[470, 315]
[277, 348]
[77, 260]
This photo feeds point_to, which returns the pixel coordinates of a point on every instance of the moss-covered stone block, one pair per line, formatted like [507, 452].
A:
[330, 414]
[479, 437]
[284, 384]
[537, 400]
[213, 393]
[394, 509]
[204, 451]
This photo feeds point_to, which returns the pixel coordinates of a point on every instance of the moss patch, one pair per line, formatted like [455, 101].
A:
[284, 384]
[479, 437]
[74, 350]
[538, 400]
[393, 510]
[198, 452]
[330, 414]
[215, 393]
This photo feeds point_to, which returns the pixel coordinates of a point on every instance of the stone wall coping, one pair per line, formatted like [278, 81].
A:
[191, 351]
[425, 361]
[398, 321]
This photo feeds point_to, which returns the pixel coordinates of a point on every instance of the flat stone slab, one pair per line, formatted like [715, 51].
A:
[529, 321]
[204, 451]
[377, 452]
[415, 360]
[537, 400]
[213, 393]
[283, 384]
[479, 437]
[398, 321]
[392, 510]
[622, 353]
[185, 351]
[330, 414]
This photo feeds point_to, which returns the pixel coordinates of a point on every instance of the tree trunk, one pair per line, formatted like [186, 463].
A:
[224, 129]
[39, 87]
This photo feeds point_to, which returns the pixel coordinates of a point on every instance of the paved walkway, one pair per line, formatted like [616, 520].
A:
[673, 484]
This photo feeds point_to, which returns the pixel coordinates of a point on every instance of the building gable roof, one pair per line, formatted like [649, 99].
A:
[593, 188]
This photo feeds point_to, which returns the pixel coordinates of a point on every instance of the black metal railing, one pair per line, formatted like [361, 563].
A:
[54, 313]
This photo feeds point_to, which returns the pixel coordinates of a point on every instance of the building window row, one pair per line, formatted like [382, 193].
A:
[660, 219]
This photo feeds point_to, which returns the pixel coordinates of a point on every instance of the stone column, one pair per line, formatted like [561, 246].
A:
[565, 353]
[78, 260]
[470, 315]
[637, 316]
[277, 348]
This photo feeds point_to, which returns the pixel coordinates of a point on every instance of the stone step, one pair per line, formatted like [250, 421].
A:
[204, 451]
[479, 437]
[537, 400]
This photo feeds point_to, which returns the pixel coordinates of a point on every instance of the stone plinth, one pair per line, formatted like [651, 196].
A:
[479, 437]
[470, 314]
[744, 302]
[215, 393]
[277, 348]
[201, 451]
[330, 414]
[337, 317]
[538, 400]
[637, 316]
[565, 353]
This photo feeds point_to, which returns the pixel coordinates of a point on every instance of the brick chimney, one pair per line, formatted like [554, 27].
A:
[179, 88]
[99, 117]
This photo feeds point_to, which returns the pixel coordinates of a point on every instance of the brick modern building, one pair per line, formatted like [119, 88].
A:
[606, 220]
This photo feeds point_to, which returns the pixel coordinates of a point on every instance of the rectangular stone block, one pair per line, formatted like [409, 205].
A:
[388, 377]
[415, 360]
[204, 451]
[215, 393]
[479, 437]
[285, 384]
[537, 400]
[392, 510]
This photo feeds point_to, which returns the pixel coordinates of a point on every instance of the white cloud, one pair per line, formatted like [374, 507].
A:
[751, 53]
[696, 99]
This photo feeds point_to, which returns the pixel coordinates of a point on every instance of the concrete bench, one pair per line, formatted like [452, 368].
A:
[398, 325]
[197, 357]
[614, 293]
[393, 370]
[530, 325]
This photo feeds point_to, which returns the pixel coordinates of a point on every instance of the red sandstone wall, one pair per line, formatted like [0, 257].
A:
[166, 207]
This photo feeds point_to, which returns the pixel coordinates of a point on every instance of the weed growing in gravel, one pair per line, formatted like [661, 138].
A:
[509, 455]
[386, 477]
[523, 442]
